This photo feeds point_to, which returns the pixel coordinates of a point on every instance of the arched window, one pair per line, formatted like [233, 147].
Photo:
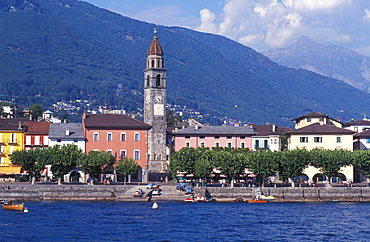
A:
[152, 63]
[158, 80]
[147, 81]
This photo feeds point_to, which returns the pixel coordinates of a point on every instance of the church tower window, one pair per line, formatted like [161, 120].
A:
[158, 80]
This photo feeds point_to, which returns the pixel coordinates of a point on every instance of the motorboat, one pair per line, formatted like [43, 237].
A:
[139, 193]
[14, 207]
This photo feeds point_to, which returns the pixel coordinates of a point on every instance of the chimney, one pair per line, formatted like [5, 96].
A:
[251, 126]
[67, 132]
[196, 127]
[273, 128]
[133, 115]
[19, 125]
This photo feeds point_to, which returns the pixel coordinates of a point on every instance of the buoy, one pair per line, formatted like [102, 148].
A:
[25, 210]
[155, 206]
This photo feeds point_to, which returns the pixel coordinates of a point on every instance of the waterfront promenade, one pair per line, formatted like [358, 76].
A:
[121, 193]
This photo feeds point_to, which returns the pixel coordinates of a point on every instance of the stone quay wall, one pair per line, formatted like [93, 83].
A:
[125, 193]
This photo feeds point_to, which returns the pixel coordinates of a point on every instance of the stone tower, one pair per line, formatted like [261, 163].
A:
[155, 107]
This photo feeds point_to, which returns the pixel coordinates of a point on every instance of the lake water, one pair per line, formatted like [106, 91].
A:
[175, 221]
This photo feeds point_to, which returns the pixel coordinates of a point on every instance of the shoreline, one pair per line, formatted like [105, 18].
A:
[124, 193]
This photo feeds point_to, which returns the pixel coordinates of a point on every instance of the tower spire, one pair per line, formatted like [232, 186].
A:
[155, 48]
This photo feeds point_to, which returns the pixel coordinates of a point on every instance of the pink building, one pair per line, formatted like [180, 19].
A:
[119, 135]
[214, 136]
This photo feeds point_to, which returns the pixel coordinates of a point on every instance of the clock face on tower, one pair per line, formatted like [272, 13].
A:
[158, 98]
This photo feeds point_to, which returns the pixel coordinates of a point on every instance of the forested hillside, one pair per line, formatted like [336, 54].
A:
[56, 50]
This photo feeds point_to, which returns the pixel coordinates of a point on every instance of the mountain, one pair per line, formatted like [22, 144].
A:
[53, 50]
[332, 61]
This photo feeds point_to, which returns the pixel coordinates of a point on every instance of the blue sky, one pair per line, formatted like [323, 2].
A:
[259, 24]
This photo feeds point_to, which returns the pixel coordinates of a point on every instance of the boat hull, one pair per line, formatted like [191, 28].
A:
[257, 201]
[13, 207]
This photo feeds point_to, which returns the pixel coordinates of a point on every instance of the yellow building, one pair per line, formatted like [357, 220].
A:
[11, 139]
[318, 131]
[315, 117]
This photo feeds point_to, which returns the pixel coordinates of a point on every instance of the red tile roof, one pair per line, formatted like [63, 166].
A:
[113, 121]
[365, 133]
[37, 127]
[264, 130]
[318, 128]
[312, 114]
[358, 122]
[12, 124]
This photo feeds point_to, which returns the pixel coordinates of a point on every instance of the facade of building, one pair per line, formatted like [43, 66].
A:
[267, 137]
[358, 126]
[119, 135]
[11, 139]
[67, 133]
[362, 140]
[36, 135]
[155, 108]
[318, 131]
[320, 136]
[214, 136]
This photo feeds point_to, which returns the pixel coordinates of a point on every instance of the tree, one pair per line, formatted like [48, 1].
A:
[93, 162]
[229, 163]
[171, 120]
[36, 110]
[34, 161]
[127, 166]
[183, 161]
[64, 159]
[361, 159]
[292, 163]
[262, 163]
[329, 162]
[203, 164]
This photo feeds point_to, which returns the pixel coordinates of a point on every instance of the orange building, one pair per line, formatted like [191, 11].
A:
[119, 135]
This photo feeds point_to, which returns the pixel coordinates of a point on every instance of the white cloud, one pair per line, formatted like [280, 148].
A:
[312, 5]
[263, 24]
[207, 18]
[367, 15]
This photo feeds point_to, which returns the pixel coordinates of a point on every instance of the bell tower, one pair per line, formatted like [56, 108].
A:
[155, 107]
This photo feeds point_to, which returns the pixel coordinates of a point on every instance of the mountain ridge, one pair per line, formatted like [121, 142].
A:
[74, 50]
[329, 60]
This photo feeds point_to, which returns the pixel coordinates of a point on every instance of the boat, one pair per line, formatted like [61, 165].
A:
[257, 201]
[263, 197]
[14, 207]
[189, 200]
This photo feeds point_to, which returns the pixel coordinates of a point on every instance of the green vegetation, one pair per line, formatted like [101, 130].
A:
[288, 163]
[94, 161]
[127, 166]
[62, 160]
[55, 50]
[34, 161]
